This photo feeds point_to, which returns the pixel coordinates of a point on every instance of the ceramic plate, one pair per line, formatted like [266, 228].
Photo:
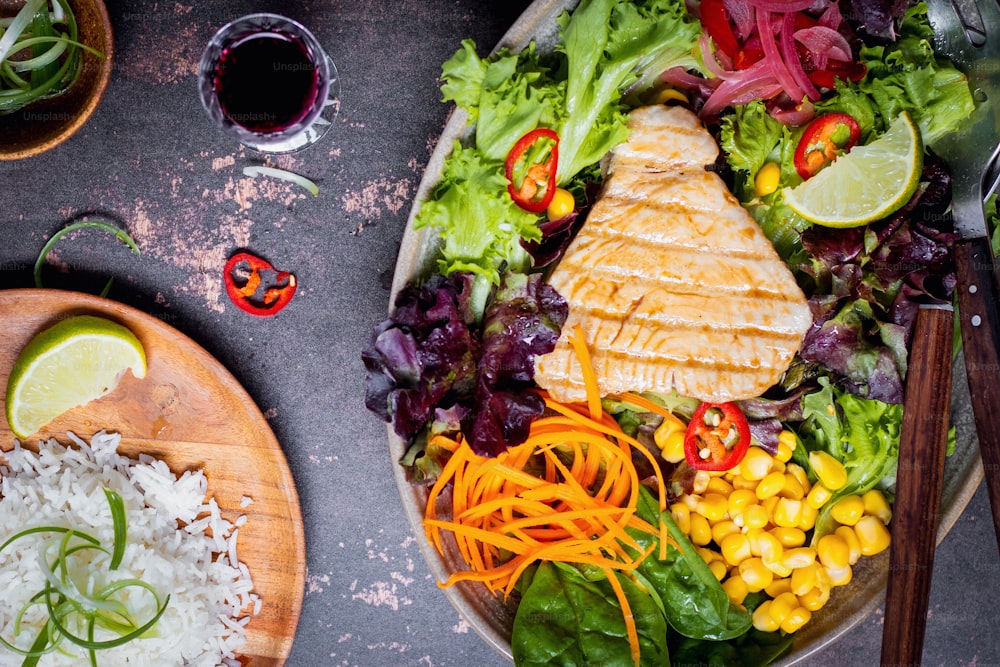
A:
[487, 614]
[190, 412]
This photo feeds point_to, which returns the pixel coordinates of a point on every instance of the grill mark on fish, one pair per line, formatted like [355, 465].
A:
[673, 284]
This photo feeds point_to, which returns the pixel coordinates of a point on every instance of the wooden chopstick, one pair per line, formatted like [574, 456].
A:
[914, 524]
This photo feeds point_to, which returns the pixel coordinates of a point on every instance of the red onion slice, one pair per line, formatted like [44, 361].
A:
[782, 6]
[824, 43]
[792, 61]
[771, 56]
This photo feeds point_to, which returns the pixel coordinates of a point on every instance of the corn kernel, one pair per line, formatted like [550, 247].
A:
[670, 95]
[815, 598]
[818, 495]
[755, 574]
[829, 470]
[739, 500]
[800, 474]
[770, 485]
[667, 426]
[719, 485]
[701, 532]
[793, 488]
[755, 516]
[853, 545]
[787, 513]
[767, 179]
[789, 536]
[796, 619]
[740, 482]
[778, 567]
[872, 534]
[799, 557]
[713, 506]
[769, 504]
[808, 519]
[736, 589]
[700, 481]
[563, 203]
[706, 554]
[779, 586]
[803, 579]
[877, 505]
[762, 619]
[756, 464]
[735, 548]
[719, 569]
[787, 441]
[764, 544]
[672, 449]
[833, 552]
[848, 510]
[782, 606]
[722, 529]
[681, 514]
[840, 576]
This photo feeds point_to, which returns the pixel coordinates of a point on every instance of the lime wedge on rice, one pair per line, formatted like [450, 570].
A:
[867, 184]
[71, 363]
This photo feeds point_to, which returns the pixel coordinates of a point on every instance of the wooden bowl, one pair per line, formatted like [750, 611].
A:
[47, 123]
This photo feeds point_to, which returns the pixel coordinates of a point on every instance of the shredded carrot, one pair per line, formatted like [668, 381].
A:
[589, 376]
[566, 494]
[633, 634]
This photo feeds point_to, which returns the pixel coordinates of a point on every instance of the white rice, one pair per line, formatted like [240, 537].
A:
[211, 592]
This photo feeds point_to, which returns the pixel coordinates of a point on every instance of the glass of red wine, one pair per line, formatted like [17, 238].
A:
[266, 81]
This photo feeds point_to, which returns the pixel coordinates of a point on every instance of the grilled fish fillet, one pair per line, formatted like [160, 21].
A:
[675, 286]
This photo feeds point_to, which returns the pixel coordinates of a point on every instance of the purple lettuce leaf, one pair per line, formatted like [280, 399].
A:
[868, 283]
[876, 18]
[523, 321]
[422, 357]
[432, 364]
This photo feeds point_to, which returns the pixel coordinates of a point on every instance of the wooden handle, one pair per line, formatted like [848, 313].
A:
[920, 475]
[977, 310]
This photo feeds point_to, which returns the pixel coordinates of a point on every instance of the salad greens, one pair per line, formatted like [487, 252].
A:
[863, 434]
[865, 283]
[571, 616]
[458, 351]
[606, 48]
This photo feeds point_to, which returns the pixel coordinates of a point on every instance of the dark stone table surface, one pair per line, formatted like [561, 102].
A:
[150, 160]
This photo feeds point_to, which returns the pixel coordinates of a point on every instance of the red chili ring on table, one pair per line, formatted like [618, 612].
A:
[243, 278]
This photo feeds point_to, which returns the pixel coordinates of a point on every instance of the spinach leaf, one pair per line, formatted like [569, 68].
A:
[695, 604]
[568, 618]
[753, 649]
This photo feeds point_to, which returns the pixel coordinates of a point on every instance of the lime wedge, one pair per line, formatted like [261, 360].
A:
[866, 184]
[71, 363]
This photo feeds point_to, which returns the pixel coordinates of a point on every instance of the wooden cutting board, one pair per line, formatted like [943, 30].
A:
[190, 412]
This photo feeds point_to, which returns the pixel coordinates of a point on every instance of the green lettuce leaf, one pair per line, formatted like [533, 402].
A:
[861, 433]
[908, 75]
[606, 48]
[479, 224]
[609, 46]
[569, 618]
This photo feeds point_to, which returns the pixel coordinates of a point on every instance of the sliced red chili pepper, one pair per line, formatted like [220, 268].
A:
[534, 191]
[715, 18]
[255, 286]
[746, 57]
[717, 437]
[823, 140]
[836, 69]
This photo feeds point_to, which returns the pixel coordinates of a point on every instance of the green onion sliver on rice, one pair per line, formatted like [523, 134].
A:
[105, 559]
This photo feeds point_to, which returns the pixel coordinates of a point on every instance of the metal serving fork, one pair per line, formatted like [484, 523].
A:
[961, 35]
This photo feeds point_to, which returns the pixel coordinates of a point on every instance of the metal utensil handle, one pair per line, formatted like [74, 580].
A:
[980, 325]
[919, 479]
